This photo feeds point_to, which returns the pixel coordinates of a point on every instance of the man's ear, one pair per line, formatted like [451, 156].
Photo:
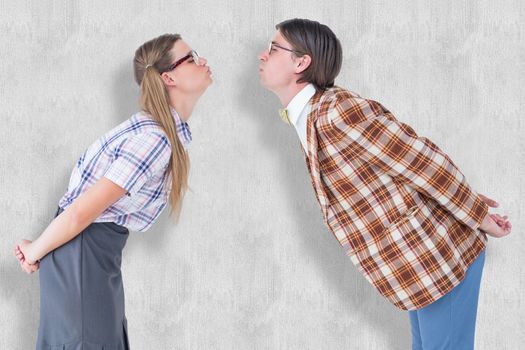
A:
[302, 63]
[168, 79]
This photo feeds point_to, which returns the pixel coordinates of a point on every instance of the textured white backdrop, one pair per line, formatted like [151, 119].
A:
[251, 265]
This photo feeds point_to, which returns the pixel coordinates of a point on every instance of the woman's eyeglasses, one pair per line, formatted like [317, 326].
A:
[192, 54]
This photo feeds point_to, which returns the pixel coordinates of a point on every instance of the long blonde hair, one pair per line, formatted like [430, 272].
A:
[151, 58]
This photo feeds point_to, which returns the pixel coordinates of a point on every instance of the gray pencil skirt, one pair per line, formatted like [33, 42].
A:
[81, 292]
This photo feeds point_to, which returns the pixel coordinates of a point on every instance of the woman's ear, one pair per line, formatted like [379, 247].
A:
[302, 63]
[167, 79]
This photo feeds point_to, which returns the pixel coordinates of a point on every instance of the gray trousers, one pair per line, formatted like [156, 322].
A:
[81, 292]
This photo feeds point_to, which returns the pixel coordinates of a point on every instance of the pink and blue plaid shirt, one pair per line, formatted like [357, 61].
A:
[134, 155]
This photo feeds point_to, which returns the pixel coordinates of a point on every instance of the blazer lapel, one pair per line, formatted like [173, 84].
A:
[311, 158]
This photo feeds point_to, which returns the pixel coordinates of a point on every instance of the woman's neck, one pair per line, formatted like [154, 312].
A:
[183, 104]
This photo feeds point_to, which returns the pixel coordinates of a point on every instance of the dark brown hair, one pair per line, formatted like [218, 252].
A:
[320, 43]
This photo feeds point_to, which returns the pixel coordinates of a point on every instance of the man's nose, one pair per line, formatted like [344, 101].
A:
[202, 61]
[263, 56]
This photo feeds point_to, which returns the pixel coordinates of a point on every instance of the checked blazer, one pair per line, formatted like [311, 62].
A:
[399, 206]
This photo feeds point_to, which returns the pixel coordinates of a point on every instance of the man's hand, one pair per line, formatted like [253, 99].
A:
[495, 225]
[490, 202]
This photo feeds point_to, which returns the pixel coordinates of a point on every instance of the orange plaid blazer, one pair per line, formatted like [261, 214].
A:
[398, 205]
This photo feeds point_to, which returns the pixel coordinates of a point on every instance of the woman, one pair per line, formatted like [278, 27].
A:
[122, 182]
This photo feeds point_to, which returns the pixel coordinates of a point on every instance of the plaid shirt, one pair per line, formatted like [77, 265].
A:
[399, 206]
[134, 155]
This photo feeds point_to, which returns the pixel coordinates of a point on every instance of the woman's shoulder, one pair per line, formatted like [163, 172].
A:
[138, 129]
[140, 123]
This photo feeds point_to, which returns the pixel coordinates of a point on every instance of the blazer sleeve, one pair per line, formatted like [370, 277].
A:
[365, 129]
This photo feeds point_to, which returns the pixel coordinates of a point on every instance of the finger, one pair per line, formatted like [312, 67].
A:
[34, 267]
[498, 219]
[494, 217]
[501, 217]
[500, 222]
[17, 251]
[490, 202]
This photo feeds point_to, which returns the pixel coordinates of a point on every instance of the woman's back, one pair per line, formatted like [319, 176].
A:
[134, 155]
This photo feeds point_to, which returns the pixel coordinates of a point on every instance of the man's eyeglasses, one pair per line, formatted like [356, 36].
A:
[271, 45]
[192, 54]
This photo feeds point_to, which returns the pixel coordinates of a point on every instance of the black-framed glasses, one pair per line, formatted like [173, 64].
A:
[272, 44]
[193, 54]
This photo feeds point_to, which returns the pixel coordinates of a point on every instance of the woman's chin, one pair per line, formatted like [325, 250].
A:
[209, 81]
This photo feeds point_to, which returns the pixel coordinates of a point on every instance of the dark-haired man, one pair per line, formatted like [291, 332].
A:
[399, 206]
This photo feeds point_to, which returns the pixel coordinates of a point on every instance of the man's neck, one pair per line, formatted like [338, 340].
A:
[288, 93]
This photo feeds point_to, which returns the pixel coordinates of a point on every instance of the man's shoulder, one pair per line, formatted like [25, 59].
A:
[337, 93]
[353, 107]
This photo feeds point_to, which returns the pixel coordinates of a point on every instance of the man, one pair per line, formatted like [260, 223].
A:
[399, 206]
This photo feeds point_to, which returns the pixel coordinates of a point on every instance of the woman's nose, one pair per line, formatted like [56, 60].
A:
[202, 61]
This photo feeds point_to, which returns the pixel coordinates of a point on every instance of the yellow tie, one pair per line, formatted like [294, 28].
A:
[283, 112]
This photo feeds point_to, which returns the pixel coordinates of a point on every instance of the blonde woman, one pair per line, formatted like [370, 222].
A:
[121, 182]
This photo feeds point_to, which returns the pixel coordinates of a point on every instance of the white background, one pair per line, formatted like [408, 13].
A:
[251, 264]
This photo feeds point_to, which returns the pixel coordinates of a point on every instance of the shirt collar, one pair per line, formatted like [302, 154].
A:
[297, 104]
[182, 127]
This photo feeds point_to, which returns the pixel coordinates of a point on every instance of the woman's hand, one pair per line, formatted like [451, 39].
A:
[20, 251]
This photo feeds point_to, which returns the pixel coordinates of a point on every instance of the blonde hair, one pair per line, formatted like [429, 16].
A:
[152, 58]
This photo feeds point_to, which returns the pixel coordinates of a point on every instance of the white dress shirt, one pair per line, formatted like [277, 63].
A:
[298, 110]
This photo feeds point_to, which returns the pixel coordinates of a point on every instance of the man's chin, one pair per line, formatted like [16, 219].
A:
[263, 83]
